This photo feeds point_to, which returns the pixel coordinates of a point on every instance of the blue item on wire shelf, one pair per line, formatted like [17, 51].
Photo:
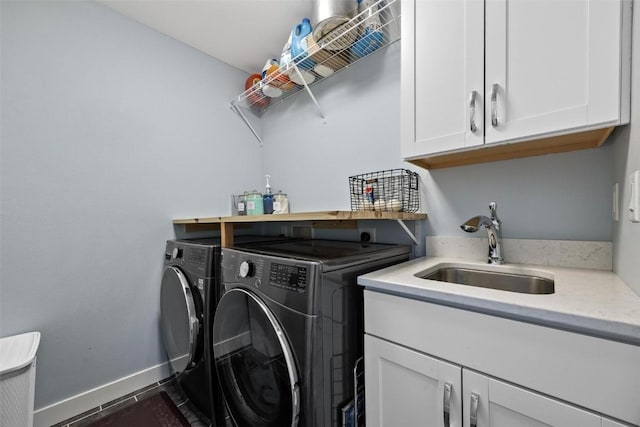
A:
[299, 44]
[371, 35]
[368, 42]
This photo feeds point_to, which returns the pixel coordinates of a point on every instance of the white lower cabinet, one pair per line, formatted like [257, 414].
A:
[407, 388]
[499, 404]
[438, 366]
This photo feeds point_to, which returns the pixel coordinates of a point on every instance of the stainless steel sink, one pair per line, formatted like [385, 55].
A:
[512, 282]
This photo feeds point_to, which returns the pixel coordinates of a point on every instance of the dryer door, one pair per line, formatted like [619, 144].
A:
[179, 320]
[254, 361]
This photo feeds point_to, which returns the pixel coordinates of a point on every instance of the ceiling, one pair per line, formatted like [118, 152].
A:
[242, 33]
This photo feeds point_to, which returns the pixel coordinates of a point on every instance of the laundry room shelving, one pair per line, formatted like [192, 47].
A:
[334, 52]
[326, 219]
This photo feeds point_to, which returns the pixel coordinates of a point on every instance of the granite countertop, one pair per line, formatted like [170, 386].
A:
[591, 302]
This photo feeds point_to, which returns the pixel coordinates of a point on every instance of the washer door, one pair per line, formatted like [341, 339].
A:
[254, 362]
[179, 319]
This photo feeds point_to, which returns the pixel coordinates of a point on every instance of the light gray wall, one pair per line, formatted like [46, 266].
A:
[109, 131]
[626, 235]
[560, 196]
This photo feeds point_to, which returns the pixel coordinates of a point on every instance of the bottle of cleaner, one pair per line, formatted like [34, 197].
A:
[299, 44]
[267, 198]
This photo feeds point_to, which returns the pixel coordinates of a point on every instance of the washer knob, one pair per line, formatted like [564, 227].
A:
[177, 253]
[246, 269]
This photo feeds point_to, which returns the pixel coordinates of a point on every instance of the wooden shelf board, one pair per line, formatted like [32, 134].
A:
[516, 150]
[333, 219]
[206, 220]
[307, 216]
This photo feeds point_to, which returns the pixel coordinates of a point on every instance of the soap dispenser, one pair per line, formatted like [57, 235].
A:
[267, 198]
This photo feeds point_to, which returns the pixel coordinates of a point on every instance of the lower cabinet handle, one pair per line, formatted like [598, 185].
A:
[447, 404]
[472, 111]
[494, 105]
[473, 411]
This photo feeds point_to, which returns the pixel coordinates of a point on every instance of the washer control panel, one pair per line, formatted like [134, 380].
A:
[290, 277]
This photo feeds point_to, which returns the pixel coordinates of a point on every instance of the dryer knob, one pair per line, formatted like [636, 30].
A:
[246, 269]
[177, 253]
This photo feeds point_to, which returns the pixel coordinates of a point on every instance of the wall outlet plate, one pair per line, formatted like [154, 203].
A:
[634, 198]
[368, 230]
[302, 231]
[615, 212]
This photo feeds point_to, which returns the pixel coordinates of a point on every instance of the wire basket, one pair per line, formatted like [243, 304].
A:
[394, 190]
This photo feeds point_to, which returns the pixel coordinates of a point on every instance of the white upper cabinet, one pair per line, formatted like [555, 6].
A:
[476, 73]
[442, 64]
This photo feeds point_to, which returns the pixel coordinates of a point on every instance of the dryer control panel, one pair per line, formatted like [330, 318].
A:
[290, 282]
[290, 277]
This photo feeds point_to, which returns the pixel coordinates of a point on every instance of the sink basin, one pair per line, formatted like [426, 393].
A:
[504, 281]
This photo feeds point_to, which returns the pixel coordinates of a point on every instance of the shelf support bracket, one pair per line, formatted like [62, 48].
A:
[237, 109]
[313, 98]
[409, 232]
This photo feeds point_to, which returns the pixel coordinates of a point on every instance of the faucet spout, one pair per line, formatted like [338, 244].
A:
[473, 224]
[493, 227]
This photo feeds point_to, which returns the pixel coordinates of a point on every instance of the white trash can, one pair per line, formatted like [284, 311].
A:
[17, 379]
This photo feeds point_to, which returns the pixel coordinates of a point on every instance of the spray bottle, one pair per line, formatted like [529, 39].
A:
[267, 198]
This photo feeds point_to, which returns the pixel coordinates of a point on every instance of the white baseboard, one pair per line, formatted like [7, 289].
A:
[72, 406]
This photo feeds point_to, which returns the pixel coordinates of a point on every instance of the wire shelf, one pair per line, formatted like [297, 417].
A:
[334, 52]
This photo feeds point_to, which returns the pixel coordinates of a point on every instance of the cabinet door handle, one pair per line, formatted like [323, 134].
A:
[447, 404]
[472, 111]
[494, 105]
[473, 411]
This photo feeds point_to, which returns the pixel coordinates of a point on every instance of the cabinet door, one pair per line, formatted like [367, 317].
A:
[442, 64]
[552, 66]
[404, 388]
[503, 405]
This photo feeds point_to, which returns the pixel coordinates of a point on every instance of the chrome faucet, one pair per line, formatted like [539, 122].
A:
[493, 230]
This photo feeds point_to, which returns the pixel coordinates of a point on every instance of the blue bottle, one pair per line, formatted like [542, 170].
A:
[267, 198]
[299, 44]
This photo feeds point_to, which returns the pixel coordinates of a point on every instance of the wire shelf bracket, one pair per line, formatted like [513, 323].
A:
[235, 107]
[313, 98]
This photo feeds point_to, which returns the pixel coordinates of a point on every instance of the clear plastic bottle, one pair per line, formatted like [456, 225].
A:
[280, 203]
[254, 203]
[242, 204]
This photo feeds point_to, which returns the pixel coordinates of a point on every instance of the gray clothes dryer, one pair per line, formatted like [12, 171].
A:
[189, 284]
[288, 329]
[189, 293]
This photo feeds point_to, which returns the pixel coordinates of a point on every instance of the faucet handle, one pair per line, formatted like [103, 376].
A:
[493, 208]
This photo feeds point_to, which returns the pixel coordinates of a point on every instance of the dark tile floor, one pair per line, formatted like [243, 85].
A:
[195, 418]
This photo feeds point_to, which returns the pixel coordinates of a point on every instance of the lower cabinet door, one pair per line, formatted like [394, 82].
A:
[489, 402]
[408, 388]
